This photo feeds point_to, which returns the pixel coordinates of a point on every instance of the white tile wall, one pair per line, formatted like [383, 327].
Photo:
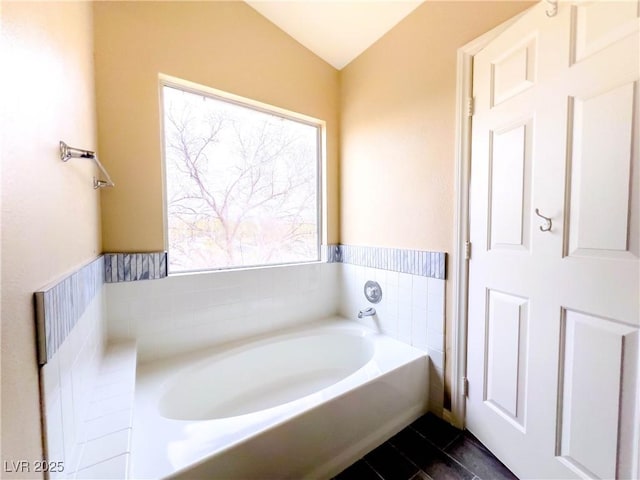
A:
[107, 428]
[411, 310]
[185, 312]
[102, 417]
[88, 399]
[106, 446]
[67, 379]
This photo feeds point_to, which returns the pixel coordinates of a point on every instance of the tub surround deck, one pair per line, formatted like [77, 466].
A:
[314, 436]
[96, 444]
[106, 433]
[182, 314]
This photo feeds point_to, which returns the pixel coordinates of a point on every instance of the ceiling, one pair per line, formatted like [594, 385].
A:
[336, 31]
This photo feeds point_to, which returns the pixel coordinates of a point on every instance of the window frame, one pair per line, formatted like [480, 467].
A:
[203, 90]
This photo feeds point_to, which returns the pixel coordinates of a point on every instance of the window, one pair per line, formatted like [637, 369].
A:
[242, 183]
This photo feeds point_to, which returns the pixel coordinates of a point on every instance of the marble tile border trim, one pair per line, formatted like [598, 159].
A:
[60, 305]
[415, 262]
[332, 254]
[129, 267]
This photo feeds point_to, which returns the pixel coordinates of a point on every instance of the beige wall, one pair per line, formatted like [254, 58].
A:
[50, 212]
[224, 45]
[398, 129]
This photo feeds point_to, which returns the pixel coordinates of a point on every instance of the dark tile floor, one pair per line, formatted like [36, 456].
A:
[429, 448]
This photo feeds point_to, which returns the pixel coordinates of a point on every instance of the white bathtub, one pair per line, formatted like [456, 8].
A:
[305, 403]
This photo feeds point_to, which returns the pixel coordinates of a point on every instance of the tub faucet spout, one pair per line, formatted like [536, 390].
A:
[367, 312]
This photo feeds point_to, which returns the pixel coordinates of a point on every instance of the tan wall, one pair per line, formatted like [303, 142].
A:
[50, 212]
[224, 45]
[398, 129]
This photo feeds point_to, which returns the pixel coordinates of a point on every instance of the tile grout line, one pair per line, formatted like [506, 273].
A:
[459, 462]
[461, 434]
[374, 470]
[408, 459]
[441, 450]
[102, 461]
[91, 419]
[476, 443]
[431, 441]
[106, 434]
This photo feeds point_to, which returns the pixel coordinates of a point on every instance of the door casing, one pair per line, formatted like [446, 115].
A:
[464, 110]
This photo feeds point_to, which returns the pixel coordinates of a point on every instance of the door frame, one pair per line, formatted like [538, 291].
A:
[464, 112]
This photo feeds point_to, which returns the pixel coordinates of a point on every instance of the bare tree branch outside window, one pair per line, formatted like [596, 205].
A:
[242, 184]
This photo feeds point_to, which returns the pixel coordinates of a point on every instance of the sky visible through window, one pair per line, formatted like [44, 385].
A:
[241, 184]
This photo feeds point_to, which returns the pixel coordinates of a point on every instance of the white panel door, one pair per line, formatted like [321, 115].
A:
[554, 316]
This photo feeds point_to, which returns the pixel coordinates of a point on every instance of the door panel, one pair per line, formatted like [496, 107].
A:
[513, 72]
[591, 373]
[553, 317]
[601, 171]
[509, 189]
[506, 355]
[595, 26]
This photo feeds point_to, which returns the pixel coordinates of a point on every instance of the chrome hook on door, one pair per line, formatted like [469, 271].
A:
[547, 225]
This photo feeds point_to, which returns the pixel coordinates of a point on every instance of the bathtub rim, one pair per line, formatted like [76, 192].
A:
[157, 368]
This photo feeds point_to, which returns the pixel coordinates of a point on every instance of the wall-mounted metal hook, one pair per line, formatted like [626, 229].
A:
[547, 225]
[552, 11]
